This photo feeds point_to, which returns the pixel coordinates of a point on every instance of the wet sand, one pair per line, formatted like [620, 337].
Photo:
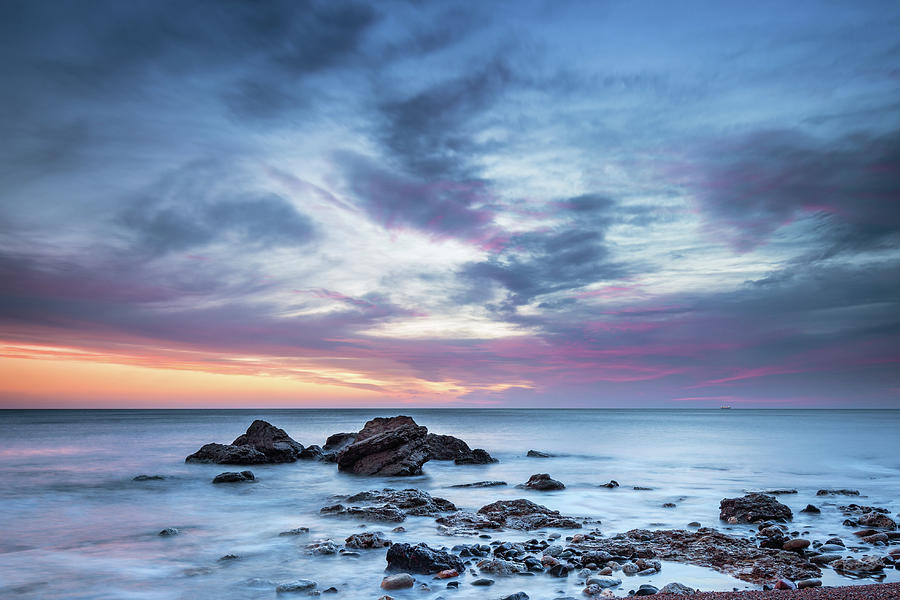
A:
[883, 591]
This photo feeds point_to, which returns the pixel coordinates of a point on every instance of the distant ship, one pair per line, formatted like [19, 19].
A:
[725, 407]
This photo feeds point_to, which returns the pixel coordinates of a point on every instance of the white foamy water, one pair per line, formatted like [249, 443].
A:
[75, 524]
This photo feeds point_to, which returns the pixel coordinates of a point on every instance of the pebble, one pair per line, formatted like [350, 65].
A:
[785, 584]
[399, 581]
[796, 544]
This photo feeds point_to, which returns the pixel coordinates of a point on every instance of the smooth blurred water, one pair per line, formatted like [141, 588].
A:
[75, 525]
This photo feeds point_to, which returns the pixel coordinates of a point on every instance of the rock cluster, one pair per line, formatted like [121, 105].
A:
[391, 505]
[387, 447]
[262, 443]
[753, 508]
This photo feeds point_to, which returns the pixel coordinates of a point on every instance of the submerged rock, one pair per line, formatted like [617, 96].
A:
[295, 531]
[811, 508]
[525, 514]
[169, 531]
[388, 447]
[234, 477]
[837, 493]
[478, 456]
[411, 501]
[479, 484]
[262, 443]
[543, 482]
[298, 585]
[866, 564]
[538, 454]
[753, 508]
[612, 484]
[367, 540]
[422, 559]
[369, 513]
[148, 478]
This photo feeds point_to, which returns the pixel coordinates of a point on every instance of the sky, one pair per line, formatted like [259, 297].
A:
[500, 204]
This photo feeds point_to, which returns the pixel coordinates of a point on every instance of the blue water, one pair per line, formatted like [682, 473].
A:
[75, 525]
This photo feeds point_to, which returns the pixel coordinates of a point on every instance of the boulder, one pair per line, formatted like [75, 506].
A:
[543, 482]
[387, 447]
[866, 564]
[262, 443]
[525, 514]
[408, 502]
[877, 519]
[334, 444]
[478, 456]
[811, 508]
[753, 508]
[234, 477]
[368, 513]
[446, 447]
[422, 559]
[841, 492]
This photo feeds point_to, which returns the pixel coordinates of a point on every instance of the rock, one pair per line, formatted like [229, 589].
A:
[876, 519]
[543, 482]
[669, 505]
[367, 540]
[169, 531]
[694, 524]
[334, 444]
[295, 531]
[785, 584]
[538, 454]
[876, 538]
[525, 514]
[641, 488]
[400, 581]
[837, 493]
[479, 456]
[399, 529]
[796, 544]
[447, 574]
[479, 484]
[498, 566]
[811, 509]
[604, 582]
[824, 559]
[422, 559]
[229, 557]
[312, 452]
[831, 548]
[646, 590]
[866, 564]
[559, 570]
[677, 589]
[516, 596]
[322, 548]
[298, 585]
[370, 513]
[148, 478]
[612, 484]
[483, 582]
[595, 590]
[808, 583]
[262, 443]
[630, 568]
[446, 447]
[864, 533]
[753, 508]
[387, 447]
[234, 477]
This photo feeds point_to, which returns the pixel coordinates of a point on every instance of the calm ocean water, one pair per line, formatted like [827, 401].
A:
[75, 525]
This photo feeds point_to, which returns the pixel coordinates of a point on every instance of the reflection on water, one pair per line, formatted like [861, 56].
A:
[77, 526]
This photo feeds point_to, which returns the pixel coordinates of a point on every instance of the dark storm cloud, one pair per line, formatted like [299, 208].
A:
[753, 187]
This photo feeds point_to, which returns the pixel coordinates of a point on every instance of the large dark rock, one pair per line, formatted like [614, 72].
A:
[262, 443]
[411, 501]
[753, 508]
[334, 444]
[387, 447]
[422, 559]
[478, 456]
[234, 477]
[525, 514]
[543, 482]
[446, 447]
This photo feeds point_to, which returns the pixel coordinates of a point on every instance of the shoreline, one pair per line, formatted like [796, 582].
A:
[877, 591]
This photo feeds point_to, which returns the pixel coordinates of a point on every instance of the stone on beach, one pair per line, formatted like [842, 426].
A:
[392, 446]
[422, 559]
[262, 443]
[543, 482]
[298, 585]
[234, 477]
[525, 514]
[753, 508]
[367, 540]
[866, 564]
[399, 581]
[677, 589]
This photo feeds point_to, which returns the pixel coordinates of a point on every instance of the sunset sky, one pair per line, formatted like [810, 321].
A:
[635, 204]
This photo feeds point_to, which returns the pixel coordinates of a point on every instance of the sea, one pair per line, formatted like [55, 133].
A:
[75, 524]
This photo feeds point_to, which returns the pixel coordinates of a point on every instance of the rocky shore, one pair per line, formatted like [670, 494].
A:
[764, 550]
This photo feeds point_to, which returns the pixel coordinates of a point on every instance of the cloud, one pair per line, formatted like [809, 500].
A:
[752, 186]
